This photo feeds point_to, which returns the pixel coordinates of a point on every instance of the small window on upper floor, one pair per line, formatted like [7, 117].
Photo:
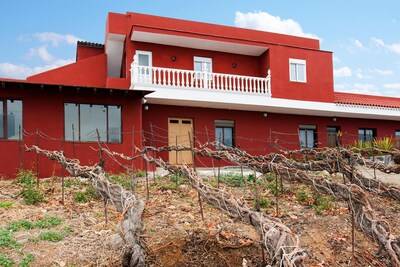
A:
[297, 69]
[202, 64]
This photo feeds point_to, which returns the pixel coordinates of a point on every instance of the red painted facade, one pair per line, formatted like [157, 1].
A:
[88, 81]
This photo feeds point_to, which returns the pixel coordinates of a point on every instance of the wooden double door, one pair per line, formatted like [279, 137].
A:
[180, 132]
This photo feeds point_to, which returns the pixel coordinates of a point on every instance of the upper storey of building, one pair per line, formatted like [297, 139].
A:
[158, 53]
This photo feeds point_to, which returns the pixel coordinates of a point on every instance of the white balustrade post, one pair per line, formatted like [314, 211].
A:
[268, 89]
[205, 76]
[135, 71]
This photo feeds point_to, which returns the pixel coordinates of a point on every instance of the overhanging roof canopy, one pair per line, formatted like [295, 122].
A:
[196, 41]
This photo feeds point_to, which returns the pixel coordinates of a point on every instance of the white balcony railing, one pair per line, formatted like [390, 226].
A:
[179, 78]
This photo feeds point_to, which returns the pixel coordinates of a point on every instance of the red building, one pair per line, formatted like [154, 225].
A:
[159, 81]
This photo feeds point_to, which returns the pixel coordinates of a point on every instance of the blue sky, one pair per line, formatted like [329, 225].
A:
[364, 35]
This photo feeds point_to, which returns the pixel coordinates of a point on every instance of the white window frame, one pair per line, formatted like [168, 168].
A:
[296, 63]
[146, 77]
[202, 60]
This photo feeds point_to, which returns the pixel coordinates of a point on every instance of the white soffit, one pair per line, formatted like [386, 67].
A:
[262, 103]
[198, 43]
[114, 50]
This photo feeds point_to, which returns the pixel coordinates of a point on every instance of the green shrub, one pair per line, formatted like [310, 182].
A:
[7, 240]
[26, 260]
[140, 174]
[385, 143]
[20, 224]
[302, 195]
[6, 205]
[47, 222]
[33, 196]
[5, 261]
[51, 236]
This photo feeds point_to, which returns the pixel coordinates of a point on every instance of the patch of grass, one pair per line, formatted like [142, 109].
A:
[122, 179]
[20, 224]
[72, 182]
[26, 260]
[6, 205]
[5, 261]
[7, 240]
[87, 195]
[47, 222]
[51, 236]
[232, 179]
[33, 196]
[176, 178]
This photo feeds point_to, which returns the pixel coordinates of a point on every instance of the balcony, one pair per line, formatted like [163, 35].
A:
[156, 77]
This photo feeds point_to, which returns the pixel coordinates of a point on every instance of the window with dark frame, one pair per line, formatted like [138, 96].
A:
[366, 134]
[308, 136]
[11, 119]
[224, 133]
[82, 120]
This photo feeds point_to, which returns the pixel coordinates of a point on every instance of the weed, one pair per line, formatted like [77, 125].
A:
[5, 261]
[26, 178]
[140, 174]
[6, 205]
[47, 222]
[176, 178]
[263, 202]
[122, 179]
[270, 177]
[87, 195]
[232, 179]
[7, 240]
[302, 195]
[273, 189]
[72, 182]
[26, 260]
[33, 196]
[51, 236]
[67, 230]
[322, 203]
[20, 224]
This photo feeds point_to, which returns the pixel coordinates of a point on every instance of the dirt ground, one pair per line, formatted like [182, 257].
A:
[174, 233]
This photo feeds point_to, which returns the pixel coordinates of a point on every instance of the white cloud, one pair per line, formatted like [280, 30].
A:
[383, 72]
[361, 76]
[266, 22]
[336, 59]
[364, 86]
[395, 48]
[358, 44]
[22, 71]
[42, 53]
[56, 39]
[392, 85]
[342, 72]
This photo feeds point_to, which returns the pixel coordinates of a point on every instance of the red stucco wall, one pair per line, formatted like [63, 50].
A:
[43, 111]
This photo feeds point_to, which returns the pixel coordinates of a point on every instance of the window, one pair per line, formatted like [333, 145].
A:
[10, 119]
[82, 120]
[308, 136]
[397, 136]
[224, 133]
[366, 135]
[202, 64]
[297, 69]
[145, 64]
